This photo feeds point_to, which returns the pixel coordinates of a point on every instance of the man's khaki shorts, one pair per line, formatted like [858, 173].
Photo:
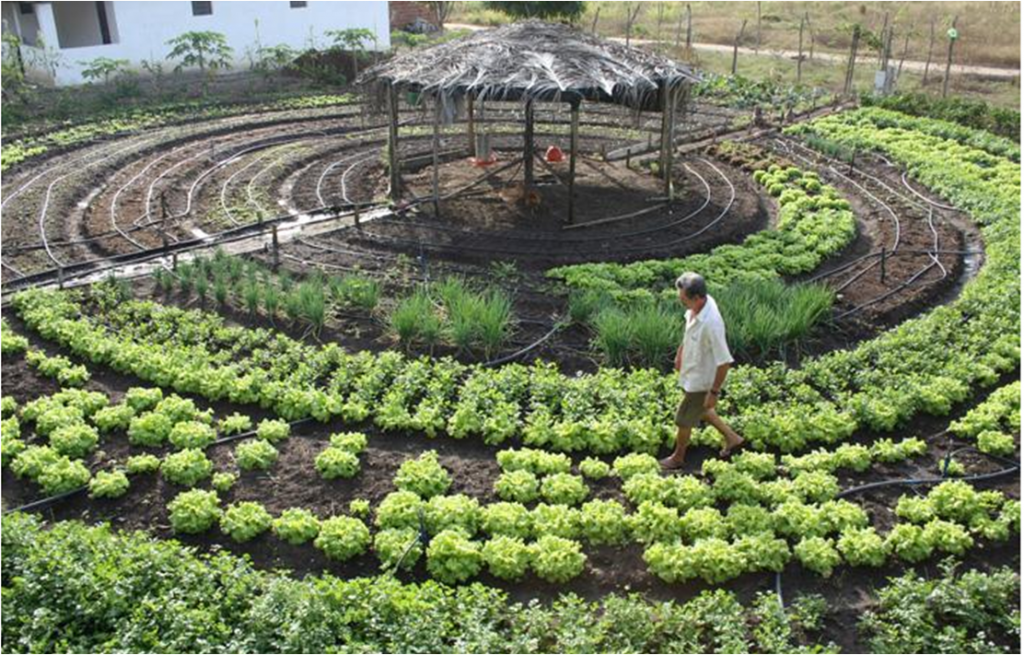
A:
[691, 409]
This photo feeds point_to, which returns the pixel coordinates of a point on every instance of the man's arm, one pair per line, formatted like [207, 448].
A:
[679, 357]
[716, 387]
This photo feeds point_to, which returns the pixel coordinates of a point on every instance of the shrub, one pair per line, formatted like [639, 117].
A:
[452, 557]
[186, 467]
[255, 455]
[506, 557]
[192, 434]
[149, 429]
[398, 547]
[273, 430]
[342, 538]
[234, 424]
[244, 521]
[594, 468]
[75, 441]
[194, 511]
[108, 484]
[424, 476]
[517, 486]
[335, 462]
[222, 481]
[564, 489]
[62, 476]
[296, 526]
[557, 560]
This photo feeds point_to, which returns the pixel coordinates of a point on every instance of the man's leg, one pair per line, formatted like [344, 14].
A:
[732, 440]
[678, 456]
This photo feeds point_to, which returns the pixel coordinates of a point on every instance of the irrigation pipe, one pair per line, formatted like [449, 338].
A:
[1014, 467]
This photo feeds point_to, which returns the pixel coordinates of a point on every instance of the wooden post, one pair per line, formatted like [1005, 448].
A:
[689, 29]
[275, 257]
[574, 123]
[631, 14]
[393, 165]
[174, 262]
[163, 220]
[931, 47]
[810, 34]
[949, 60]
[757, 46]
[593, 26]
[886, 55]
[903, 57]
[434, 146]
[470, 124]
[736, 45]
[679, 29]
[528, 149]
[355, 214]
[881, 44]
[668, 110]
[60, 277]
[800, 53]
[848, 83]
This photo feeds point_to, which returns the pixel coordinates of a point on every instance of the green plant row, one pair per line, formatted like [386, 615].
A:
[69, 587]
[976, 114]
[925, 365]
[125, 122]
[993, 422]
[881, 118]
[814, 222]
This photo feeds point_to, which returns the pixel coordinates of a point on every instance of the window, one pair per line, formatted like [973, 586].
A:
[297, 5]
[202, 8]
[26, 8]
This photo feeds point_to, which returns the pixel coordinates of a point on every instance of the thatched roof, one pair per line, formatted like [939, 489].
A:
[533, 59]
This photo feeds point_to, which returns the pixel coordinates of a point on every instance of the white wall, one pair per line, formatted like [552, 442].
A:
[143, 28]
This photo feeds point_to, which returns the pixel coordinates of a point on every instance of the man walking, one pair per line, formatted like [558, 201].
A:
[703, 361]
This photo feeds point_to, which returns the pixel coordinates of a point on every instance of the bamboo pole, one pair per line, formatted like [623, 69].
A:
[800, 52]
[931, 47]
[434, 148]
[393, 166]
[528, 149]
[573, 152]
[667, 145]
[470, 124]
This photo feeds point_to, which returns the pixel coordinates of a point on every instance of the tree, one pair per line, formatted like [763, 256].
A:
[352, 40]
[442, 10]
[206, 51]
[570, 11]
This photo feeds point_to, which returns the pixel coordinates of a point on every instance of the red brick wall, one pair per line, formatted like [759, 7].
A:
[403, 13]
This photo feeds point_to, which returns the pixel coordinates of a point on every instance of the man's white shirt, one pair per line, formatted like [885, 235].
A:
[704, 348]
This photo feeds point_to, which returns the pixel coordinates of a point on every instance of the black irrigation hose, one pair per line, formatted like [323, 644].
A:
[1013, 467]
[522, 351]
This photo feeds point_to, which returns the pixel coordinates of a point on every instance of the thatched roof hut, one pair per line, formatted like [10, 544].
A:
[531, 61]
[534, 60]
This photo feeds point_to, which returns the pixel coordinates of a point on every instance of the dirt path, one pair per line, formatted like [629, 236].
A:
[918, 66]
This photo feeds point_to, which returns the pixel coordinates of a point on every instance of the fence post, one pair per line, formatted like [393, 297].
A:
[275, 257]
[953, 35]
[736, 45]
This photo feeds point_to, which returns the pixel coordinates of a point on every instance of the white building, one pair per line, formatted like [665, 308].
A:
[76, 32]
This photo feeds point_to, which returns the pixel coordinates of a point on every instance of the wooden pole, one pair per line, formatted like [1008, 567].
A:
[736, 45]
[470, 124]
[928, 61]
[886, 55]
[679, 29]
[757, 46]
[593, 26]
[574, 124]
[800, 53]
[848, 83]
[393, 166]
[163, 220]
[528, 149]
[810, 34]
[667, 127]
[903, 57]
[949, 61]
[274, 245]
[689, 29]
[881, 44]
[434, 147]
